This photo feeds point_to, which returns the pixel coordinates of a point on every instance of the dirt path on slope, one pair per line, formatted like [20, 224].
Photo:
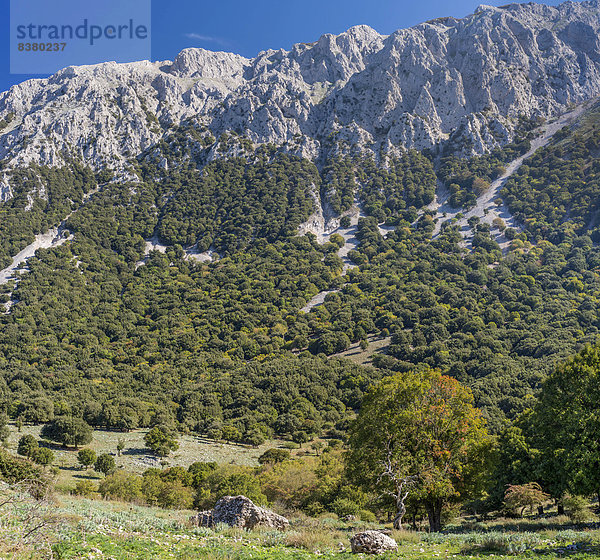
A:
[485, 208]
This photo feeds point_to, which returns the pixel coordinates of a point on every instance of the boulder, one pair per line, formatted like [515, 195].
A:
[202, 519]
[239, 511]
[372, 542]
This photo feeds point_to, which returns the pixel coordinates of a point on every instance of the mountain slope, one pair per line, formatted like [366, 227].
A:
[464, 79]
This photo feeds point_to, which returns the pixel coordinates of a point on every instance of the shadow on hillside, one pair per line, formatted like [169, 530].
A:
[135, 451]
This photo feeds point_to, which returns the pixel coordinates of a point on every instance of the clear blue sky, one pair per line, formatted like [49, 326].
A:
[249, 26]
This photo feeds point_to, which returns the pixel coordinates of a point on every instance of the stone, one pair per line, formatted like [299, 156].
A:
[372, 542]
[239, 511]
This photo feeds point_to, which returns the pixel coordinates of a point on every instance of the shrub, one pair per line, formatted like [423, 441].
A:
[85, 488]
[337, 240]
[14, 469]
[105, 464]
[27, 445]
[121, 485]
[254, 438]
[507, 543]
[273, 456]
[576, 507]
[161, 441]
[4, 429]
[366, 515]
[168, 494]
[480, 186]
[231, 433]
[344, 507]
[42, 456]
[200, 471]
[499, 224]
[86, 457]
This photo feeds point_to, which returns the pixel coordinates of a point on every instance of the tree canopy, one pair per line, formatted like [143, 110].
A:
[418, 434]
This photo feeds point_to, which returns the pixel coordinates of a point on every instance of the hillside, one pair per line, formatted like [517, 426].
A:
[210, 266]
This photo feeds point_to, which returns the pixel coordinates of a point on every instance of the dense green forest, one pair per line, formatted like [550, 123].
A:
[386, 188]
[556, 193]
[56, 192]
[103, 331]
[467, 179]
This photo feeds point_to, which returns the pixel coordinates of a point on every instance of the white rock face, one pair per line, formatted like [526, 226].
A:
[465, 80]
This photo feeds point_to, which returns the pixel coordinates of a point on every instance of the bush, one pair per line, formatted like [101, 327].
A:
[42, 456]
[168, 494]
[506, 543]
[85, 488]
[366, 515]
[273, 456]
[344, 507]
[13, 469]
[161, 441]
[576, 507]
[121, 485]
[499, 224]
[105, 464]
[27, 445]
[86, 457]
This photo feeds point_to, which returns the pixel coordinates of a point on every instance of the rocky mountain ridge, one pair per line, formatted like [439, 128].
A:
[462, 82]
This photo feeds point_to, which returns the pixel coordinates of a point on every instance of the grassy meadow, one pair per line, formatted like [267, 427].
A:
[79, 528]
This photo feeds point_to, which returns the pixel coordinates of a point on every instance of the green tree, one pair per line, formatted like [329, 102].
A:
[105, 464]
[300, 437]
[86, 458]
[419, 435]
[121, 485]
[273, 456]
[4, 429]
[27, 445]
[68, 430]
[231, 433]
[161, 441]
[42, 456]
[85, 488]
[566, 425]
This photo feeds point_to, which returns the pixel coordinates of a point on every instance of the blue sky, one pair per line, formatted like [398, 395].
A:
[247, 27]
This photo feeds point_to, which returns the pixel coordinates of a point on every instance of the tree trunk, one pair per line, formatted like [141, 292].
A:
[561, 508]
[400, 511]
[434, 514]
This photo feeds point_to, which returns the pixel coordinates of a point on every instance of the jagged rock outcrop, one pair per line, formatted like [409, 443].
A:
[372, 542]
[239, 511]
[460, 80]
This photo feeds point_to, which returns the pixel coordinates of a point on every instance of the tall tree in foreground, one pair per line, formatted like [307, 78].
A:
[566, 426]
[419, 435]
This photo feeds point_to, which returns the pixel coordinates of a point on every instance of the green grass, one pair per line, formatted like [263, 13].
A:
[96, 529]
[377, 345]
